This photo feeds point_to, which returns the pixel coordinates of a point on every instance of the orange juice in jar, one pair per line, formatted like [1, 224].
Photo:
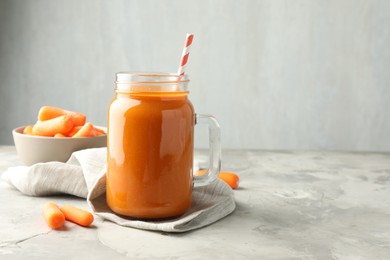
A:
[150, 146]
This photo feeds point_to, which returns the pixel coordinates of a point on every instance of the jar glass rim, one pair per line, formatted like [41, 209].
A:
[158, 78]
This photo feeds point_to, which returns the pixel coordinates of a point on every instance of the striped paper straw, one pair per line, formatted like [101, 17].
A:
[185, 54]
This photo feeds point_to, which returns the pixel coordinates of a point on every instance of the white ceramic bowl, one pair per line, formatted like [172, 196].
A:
[35, 149]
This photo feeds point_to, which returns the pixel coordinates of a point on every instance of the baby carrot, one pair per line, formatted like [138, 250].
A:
[98, 131]
[85, 131]
[28, 130]
[62, 125]
[229, 178]
[60, 135]
[76, 215]
[49, 112]
[53, 215]
[74, 130]
[201, 172]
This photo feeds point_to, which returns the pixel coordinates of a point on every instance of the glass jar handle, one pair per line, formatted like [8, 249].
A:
[214, 150]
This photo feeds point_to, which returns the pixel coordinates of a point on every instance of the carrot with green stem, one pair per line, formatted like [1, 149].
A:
[53, 215]
[76, 215]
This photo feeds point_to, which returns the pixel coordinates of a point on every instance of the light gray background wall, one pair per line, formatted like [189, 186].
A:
[277, 74]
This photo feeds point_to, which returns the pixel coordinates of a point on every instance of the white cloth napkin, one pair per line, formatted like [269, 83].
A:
[84, 176]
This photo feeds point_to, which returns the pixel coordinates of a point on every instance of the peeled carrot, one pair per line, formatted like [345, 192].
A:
[73, 131]
[53, 215]
[49, 112]
[61, 124]
[76, 215]
[98, 131]
[229, 178]
[58, 122]
[60, 135]
[201, 172]
[28, 130]
[85, 131]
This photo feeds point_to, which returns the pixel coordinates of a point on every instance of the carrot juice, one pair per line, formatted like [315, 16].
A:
[150, 153]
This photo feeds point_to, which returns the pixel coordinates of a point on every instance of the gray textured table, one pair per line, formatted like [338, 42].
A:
[290, 205]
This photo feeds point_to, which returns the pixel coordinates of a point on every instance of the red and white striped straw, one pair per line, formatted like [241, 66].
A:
[185, 54]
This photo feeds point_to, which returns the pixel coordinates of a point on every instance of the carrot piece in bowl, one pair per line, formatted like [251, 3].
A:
[98, 131]
[61, 124]
[73, 131]
[60, 135]
[28, 130]
[49, 112]
[85, 131]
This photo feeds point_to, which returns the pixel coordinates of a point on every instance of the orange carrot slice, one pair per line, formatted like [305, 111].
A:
[53, 215]
[62, 125]
[76, 215]
[85, 131]
[49, 112]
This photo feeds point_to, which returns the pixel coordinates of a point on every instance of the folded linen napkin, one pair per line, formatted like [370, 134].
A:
[84, 176]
